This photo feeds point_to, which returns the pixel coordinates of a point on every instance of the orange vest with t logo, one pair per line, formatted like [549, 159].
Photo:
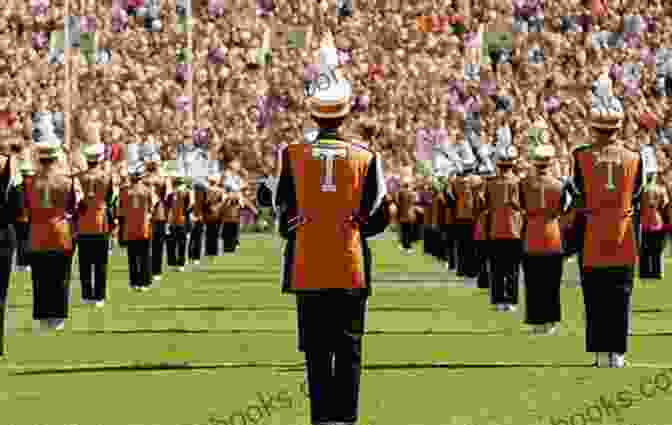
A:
[609, 238]
[653, 205]
[50, 230]
[503, 208]
[541, 198]
[92, 219]
[466, 200]
[178, 213]
[329, 179]
[136, 203]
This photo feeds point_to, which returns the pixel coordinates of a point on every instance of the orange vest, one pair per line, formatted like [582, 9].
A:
[136, 203]
[328, 248]
[230, 212]
[211, 206]
[159, 185]
[466, 199]
[542, 197]
[505, 220]
[406, 201]
[177, 214]
[199, 204]
[609, 238]
[50, 230]
[93, 219]
[653, 204]
[24, 213]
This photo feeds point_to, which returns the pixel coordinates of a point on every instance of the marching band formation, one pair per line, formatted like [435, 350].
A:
[48, 214]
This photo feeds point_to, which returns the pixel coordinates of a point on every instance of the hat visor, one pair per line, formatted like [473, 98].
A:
[335, 111]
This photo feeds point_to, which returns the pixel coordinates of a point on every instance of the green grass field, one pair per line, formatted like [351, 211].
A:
[204, 344]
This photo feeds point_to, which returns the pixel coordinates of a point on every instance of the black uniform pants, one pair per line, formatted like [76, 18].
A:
[505, 259]
[120, 232]
[543, 276]
[51, 284]
[651, 255]
[230, 236]
[139, 262]
[196, 241]
[176, 244]
[483, 255]
[406, 235]
[333, 351]
[449, 253]
[158, 243]
[22, 235]
[93, 259]
[606, 295]
[7, 248]
[212, 239]
[466, 253]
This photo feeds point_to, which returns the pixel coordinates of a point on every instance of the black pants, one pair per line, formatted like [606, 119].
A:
[505, 259]
[543, 276]
[158, 242]
[333, 351]
[212, 239]
[196, 241]
[606, 295]
[466, 253]
[139, 263]
[51, 284]
[449, 252]
[7, 248]
[22, 237]
[484, 264]
[230, 236]
[406, 235]
[176, 244]
[651, 256]
[120, 232]
[93, 258]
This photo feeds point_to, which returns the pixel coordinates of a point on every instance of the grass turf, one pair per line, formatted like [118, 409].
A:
[207, 344]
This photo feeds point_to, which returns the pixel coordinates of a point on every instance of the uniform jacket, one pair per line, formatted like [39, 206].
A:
[611, 230]
[52, 202]
[98, 192]
[405, 200]
[199, 205]
[654, 203]
[325, 229]
[179, 202]
[135, 202]
[543, 200]
[212, 205]
[465, 200]
[159, 185]
[503, 209]
[23, 213]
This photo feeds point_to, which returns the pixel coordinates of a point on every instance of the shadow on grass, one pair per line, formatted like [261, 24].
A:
[281, 308]
[139, 367]
[506, 332]
[652, 310]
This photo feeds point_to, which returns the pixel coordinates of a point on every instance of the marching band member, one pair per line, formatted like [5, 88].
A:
[543, 200]
[463, 190]
[325, 211]
[10, 205]
[22, 224]
[51, 199]
[504, 225]
[196, 236]
[94, 227]
[481, 242]
[211, 217]
[405, 200]
[159, 183]
[230, 217]
[608, 178]
[178, 205]
[136, 201]
[447, 220]
[654, 203]
[429, 204]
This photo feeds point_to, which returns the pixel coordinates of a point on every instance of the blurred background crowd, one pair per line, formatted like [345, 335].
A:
[229, 77]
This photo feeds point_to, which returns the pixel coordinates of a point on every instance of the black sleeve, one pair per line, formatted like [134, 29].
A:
[639, 182]
[576, 184]
[379, 220]
[285, 201]
[14, 203]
